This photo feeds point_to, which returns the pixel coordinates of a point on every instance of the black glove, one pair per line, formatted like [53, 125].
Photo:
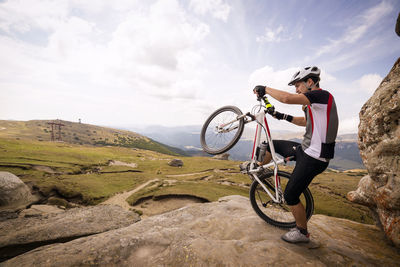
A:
[281, 116]
[277, 115]
[259, 90]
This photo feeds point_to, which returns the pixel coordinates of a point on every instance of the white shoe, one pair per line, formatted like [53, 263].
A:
[295, 236]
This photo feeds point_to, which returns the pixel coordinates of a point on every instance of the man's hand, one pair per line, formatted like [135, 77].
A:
[259, 90]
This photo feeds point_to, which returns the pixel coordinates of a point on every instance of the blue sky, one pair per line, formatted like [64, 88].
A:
[167, 62]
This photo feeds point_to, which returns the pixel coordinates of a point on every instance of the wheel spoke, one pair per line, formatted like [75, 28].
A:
[278, 214]
[216, 139]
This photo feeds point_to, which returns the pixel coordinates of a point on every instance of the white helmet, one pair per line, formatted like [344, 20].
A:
[304, 74]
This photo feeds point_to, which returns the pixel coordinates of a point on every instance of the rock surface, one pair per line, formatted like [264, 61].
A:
[25, 233]
[175, 163]
[379, 143]
[40, 210]
[14, 194]
[224, 233]
[224, 156]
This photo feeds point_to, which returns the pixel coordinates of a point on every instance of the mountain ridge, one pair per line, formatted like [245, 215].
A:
[83, 134]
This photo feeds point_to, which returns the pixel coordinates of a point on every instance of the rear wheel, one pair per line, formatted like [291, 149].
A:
[273, 213]
[222, 130]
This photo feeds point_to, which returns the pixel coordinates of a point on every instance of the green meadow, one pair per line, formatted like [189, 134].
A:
[83, 174]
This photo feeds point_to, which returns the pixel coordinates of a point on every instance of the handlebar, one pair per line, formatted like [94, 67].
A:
[269, 107]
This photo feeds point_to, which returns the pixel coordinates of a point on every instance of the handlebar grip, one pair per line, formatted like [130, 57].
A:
[269, 106]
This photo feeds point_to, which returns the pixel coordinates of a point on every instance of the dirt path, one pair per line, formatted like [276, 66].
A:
[120, 198]
[195, 173]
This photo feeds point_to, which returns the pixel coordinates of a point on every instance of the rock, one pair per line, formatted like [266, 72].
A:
[60, 202]
[176, 163]
[14, 194]
[365, 192]
[224, 156]
[6, 215]
[121, 163]
[224, 233]
[39, 210]
[22, 234]
[379, 143]
[398, 25]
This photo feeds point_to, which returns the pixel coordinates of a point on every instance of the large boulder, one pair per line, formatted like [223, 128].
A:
[379, 143]
[14, 193]
[175, 163]
[40, 210]
[224, 156]
[25, 233]
[224, 233]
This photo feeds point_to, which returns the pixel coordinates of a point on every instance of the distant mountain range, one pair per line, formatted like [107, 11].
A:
[187, 138]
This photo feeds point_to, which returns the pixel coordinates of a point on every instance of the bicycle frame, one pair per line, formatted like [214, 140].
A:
[262, 121]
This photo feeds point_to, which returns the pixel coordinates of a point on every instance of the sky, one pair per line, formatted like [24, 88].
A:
[127, 63]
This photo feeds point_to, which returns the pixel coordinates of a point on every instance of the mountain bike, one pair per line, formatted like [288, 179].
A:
[223, 129]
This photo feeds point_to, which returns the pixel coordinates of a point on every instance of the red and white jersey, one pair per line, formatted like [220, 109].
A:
[322, 125]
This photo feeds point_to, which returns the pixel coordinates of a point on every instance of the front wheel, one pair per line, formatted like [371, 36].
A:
[277, 214]
[222, 130]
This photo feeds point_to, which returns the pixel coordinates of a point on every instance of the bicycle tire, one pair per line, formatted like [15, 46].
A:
[269, 213]
[212, 119]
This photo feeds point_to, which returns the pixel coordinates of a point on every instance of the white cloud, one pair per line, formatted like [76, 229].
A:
[217, 8]
[349, 125]
[135, 61]
[369, 83]
[157, 50]
[268, 76]
[148, 58]
[44, 14]
[357, 29]
[274, 35]
[152, 49]
[280, 78]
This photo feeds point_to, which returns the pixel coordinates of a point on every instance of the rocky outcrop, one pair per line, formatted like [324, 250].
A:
[379, 143]
[224, 233]
[14, 194]
[40, 210]
[224, 156]
[26, 233]
[175, 163]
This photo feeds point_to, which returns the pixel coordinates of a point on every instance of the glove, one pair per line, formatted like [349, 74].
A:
[281, 116]
[277, 115]
[259, 90]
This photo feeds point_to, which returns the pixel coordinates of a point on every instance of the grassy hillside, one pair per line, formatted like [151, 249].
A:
[83, 134]
[83, 174]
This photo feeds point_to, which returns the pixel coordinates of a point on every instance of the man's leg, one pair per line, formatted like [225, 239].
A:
[299, 213]
[267, 158]
[305, 170]
[300, 233]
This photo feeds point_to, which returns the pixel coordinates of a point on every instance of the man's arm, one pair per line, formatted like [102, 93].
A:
[300, 121]
[286, 97]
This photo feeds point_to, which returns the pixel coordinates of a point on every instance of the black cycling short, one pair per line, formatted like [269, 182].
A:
[304, 172]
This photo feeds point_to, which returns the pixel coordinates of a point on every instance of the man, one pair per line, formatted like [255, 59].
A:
[313, 154]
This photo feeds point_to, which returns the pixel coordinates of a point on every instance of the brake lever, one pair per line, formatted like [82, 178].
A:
[253, 118]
